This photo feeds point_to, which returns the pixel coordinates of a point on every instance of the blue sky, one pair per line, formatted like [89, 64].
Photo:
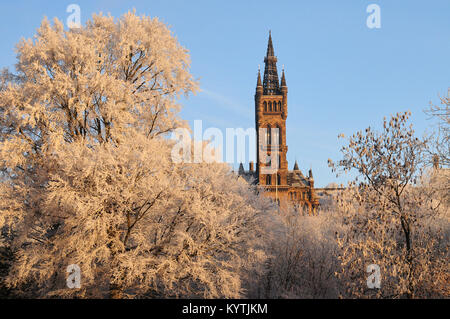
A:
[342, 76]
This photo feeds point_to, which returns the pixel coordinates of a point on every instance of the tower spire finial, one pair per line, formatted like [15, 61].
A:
[270, 51]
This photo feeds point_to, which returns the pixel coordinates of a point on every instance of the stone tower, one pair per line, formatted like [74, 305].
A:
[270, 114]
[287, 188]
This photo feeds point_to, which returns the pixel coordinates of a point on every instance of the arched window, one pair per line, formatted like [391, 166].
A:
[278, 179]
[268, 180]
[274, 106]
[279, 160]
[269, 134]
[270, 106]
[265, 106]
[279, 106]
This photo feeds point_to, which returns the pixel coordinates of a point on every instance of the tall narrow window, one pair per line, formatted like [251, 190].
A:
[266, 136]
[276, 135]
[278, 179]
[269, 134]
[265, 106]
[279, 106]
[279, 135]
[268, 180]
[270, 106]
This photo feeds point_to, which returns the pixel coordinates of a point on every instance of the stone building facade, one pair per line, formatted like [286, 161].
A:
[287, 187]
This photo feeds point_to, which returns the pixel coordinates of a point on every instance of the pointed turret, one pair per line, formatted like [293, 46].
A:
[241, 169]
[296, 166]
[258, 81]
[283, 80]
[259, 90]
[271, 82]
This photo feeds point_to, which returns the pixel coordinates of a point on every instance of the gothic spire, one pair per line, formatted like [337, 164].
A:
[271, 83]
[270, 51]
[241, 169]
[258, 81]
[296, 166]
[283, 79]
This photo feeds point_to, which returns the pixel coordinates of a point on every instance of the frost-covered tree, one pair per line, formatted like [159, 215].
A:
[303, 259]
[88, 177]
[393, 216]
